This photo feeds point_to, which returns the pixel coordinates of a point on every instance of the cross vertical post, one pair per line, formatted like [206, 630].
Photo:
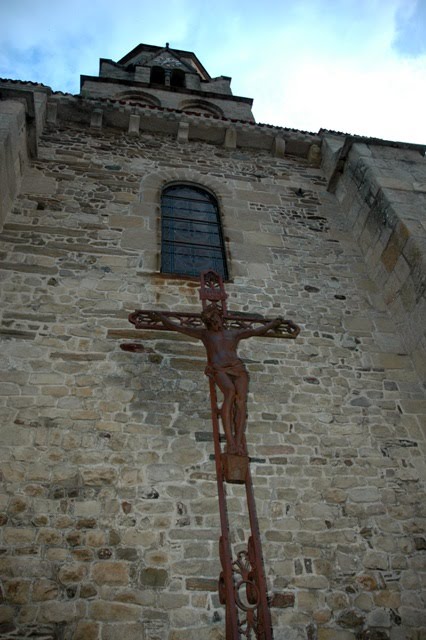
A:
[242, 582]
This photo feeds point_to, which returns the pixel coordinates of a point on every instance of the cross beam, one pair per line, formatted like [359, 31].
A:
[242, 584]
[148, 319]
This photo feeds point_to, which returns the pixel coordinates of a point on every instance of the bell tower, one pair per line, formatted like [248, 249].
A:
[166, 78]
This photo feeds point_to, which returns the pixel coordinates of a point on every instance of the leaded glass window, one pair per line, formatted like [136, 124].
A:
[191, 232]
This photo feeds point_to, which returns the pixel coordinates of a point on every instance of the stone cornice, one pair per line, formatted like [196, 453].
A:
[136, 118]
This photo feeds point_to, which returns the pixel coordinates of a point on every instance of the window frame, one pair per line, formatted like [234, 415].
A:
[208, 223]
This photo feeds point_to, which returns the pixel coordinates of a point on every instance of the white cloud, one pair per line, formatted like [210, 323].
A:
[307, 63]
[385, 99]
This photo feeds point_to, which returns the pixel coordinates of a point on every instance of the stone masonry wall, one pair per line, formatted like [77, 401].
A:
[21, 121]
[108, 510]
[382, 190]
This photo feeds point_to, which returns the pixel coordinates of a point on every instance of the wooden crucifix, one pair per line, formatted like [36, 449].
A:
[242, 584]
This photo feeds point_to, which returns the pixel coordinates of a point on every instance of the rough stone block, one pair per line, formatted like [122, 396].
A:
[154, 578]
[87, 630]
[17, 591]
[6, 614]
[58, 612]
[44, 590]
[111, 573]
[71, 574]
[131, 631]
[103, 610]
[164, 473]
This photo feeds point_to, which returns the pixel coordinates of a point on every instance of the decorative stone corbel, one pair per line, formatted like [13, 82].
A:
[278, 147]
[52, 112]
[183, 132]
[134, 124]
[96, 119]
[230, 138]
[314, 155]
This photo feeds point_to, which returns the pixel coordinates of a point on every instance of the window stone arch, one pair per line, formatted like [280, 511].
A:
[138, 96]
[201, 107]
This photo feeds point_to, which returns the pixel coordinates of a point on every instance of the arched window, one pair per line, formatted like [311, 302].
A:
[191, 232]
[158, 75]
[177, 79]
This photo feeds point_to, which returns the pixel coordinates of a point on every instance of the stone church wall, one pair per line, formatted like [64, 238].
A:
[383, 193]
[21, 121]
[109, 516]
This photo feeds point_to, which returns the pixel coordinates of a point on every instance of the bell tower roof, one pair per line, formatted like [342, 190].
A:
[149, 54]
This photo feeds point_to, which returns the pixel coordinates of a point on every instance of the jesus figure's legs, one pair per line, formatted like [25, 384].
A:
[234, 408]
[227, 387]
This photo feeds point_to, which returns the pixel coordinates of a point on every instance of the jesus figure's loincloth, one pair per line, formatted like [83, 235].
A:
[235, 369]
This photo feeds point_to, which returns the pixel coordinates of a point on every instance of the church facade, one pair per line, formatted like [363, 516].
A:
[115, 200]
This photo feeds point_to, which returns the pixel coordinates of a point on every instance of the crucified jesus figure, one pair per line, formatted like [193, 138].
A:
[225, 368]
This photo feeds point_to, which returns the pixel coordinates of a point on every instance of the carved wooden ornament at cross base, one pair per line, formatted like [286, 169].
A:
[242, 585]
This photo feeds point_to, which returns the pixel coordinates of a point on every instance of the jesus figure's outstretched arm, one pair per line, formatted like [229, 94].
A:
[259, 331]
[174, 326]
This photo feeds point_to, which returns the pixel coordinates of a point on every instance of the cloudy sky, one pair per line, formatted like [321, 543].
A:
[357, 66]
